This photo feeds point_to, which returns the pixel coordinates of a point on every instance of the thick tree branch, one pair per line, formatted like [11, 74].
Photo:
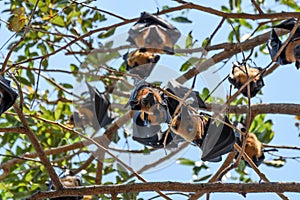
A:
[174, 186]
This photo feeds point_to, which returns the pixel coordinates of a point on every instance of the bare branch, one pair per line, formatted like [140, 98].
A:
[174, 186]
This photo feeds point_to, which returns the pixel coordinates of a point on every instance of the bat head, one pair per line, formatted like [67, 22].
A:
[188, 126]
[68, 181]
[154, 33]
[143, 58]
[240, 74]
[150, 134]
[7, 95]
[139, 57]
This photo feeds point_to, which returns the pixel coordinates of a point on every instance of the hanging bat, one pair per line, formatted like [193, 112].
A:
[143, 58]
[94, 112]
[188, 126]
[291, 52]
[153, 33]
[214, 139]
[240, 74]
[7, 95]
[68, 181]
[179, 90]
[253, 146]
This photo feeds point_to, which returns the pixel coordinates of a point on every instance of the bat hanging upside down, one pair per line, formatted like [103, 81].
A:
[291, 52]
[241, 73]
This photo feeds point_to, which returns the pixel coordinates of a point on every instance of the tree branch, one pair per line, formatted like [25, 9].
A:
[174, 186]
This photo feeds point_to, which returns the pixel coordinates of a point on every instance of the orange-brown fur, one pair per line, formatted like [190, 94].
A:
[137, 58]
[69, 181]
[253, 146]
[143, 93]
[183, 126]
[240, 73]
[151, 109]
[289, 51]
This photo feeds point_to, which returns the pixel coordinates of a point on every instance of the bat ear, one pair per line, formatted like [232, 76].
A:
[7, 95]
[287, 24]
[219, 139]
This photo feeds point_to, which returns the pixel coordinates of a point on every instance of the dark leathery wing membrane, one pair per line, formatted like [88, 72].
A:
[102, 104]
[291, 52]
[218, 140]
[148, 134]
[153, 32]
[7, 95]
[95, 111]
[179, 90]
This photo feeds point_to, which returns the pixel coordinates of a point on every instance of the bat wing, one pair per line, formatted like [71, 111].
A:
[152, 31]
[219, 140]
[274, 44]
[101, 106]
[149, 135]
[179, 90]
[287, 24]
[9, 95]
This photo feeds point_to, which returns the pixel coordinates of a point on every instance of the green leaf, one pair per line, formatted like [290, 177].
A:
[181, 20]
[190, 62]
[189, 40]
[122, 172]
[203, 178]
[58, 20]
[58, 110]
[106, 34]
[184, 161]
[277, 163]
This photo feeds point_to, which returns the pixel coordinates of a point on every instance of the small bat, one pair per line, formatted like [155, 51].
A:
[253, 146]
[94, 112]
[240, 74]
[7, 95]
[143, 58]
[291, 52]
[153, 33]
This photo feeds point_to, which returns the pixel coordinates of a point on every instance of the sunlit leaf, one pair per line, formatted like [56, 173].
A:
[181, 19]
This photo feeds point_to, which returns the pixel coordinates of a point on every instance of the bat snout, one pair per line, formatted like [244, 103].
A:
[148, 100]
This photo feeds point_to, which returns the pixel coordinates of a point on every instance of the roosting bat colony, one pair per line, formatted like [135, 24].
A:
[152, 106]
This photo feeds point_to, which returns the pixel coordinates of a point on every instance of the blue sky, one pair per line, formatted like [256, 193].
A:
[281, 87]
